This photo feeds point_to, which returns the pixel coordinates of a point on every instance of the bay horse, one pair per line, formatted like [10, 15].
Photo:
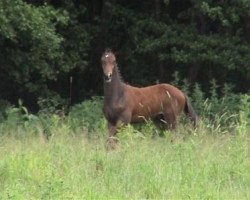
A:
[125, 104]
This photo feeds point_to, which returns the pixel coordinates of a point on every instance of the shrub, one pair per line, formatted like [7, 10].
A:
[87, 115]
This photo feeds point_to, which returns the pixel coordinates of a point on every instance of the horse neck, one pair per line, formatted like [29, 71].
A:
[114, 90]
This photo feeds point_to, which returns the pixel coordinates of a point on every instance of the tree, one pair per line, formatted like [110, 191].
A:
[44, 44]
[36, 47]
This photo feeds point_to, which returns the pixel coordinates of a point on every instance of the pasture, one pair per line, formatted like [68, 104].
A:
[210, 162]
[194, 166]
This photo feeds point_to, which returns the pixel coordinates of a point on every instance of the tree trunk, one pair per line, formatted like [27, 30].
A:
[158, 63]
[195, 68]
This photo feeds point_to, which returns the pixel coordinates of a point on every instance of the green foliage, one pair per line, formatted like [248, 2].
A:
[185, 45]
[87, 115]
[30, 40]
[52, 105]
[191, 36]
[17, 119]
[220, 109]
[221, 112]
[37, 46]
[3, 106]
[244, 116]
[44, 43]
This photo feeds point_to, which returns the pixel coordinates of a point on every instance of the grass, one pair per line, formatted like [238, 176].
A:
[186, 165]
[210, 162]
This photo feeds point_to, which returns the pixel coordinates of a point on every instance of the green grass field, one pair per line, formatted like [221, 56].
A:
[181, 165]
[209, 162]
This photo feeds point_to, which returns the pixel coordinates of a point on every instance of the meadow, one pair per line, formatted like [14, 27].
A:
[54, 156]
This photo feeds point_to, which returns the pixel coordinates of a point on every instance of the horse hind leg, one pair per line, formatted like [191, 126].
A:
[170, 121]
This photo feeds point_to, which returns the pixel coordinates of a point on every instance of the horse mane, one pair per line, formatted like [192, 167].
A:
[108, 50]
[119, 73]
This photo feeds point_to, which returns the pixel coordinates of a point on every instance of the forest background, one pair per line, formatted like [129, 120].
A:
[50, 49]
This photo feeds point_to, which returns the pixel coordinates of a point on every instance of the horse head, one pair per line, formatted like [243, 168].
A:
[108, 62]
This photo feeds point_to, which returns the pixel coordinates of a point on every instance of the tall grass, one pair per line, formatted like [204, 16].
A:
[51, 156]
[200, 165]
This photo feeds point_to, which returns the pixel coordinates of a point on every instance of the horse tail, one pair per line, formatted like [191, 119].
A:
[189, 110]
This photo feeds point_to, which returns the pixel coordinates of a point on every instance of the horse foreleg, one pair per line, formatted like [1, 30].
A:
[112, 128]
[124, 119]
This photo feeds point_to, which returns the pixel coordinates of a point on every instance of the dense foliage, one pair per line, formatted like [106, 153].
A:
[217, 114]
[51, 49]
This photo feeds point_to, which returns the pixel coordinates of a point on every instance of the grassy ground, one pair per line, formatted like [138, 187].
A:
[210, 162]
[188, 165]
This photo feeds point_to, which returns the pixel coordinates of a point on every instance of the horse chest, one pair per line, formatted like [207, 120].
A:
[112, 112]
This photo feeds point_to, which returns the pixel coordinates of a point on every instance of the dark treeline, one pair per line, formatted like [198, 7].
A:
[45, 44]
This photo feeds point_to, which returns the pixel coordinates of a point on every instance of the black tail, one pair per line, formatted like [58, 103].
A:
[189, 110]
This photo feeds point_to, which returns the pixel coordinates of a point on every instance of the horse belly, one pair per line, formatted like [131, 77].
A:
[144, 112]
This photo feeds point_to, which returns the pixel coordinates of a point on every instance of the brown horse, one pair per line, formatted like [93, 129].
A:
[124, 103]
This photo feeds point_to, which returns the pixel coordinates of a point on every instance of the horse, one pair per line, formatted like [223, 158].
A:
[124, 104]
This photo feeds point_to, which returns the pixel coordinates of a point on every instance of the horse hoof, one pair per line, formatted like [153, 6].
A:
[112, 143]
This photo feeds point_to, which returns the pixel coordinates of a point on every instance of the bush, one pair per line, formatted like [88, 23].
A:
[220, 107]
[4, 105]
[221, 112]
[87, 115]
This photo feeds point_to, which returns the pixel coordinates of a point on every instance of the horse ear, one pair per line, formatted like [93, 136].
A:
[108, 50]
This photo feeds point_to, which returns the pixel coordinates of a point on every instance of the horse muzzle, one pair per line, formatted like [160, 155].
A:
[107, 78]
